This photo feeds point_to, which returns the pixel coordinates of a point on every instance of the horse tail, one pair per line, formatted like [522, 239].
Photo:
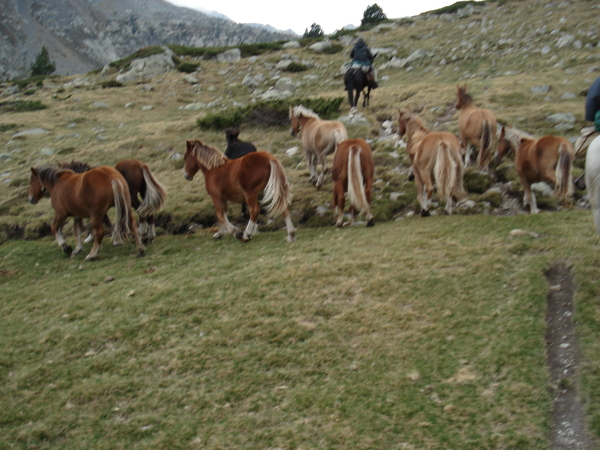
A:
[340, 135]
[122, 202]
[485, 152]
[445, 170]
[564, 176]
[277, 193]
[155, 195]
[356, 187]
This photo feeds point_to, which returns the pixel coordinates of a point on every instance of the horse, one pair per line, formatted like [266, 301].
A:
[352, 171]
[436, 160]
[592, 179]
[239, 180]
[86, 195]
[319, 138]
[549, 158]
[477, 126]
[235, 147]
[142, 183]
[355, 80]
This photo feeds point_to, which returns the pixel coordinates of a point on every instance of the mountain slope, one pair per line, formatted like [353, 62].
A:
[83, 36]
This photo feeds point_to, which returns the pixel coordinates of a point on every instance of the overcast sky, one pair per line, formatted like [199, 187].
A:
[298, 15]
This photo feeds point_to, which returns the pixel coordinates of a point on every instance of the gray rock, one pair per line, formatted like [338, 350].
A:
[542, 189]
[292, 151]
[291, 44]
[100, 105]
[565, 41]
[538, 90]
[320, 46]
[561, 117]
[191, 79]
[32, 132]
[47, 151]
[147, 68]
[194, 106]
[232, 56]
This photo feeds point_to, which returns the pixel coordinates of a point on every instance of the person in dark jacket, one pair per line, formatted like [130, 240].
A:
[592, 102]
[361, 54]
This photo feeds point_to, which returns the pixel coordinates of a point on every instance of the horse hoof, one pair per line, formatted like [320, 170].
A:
[290, 238]
[240, 235]
[411, 177]
[371, 223]
[217, 236]
[425, 213]
[91, 258]
[141, 253]
[68, 250]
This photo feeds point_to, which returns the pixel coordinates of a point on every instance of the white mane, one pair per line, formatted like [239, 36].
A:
[297, 111]
[514, 136]
[208, 156]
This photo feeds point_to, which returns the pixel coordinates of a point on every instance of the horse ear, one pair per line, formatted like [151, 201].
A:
[34, 171]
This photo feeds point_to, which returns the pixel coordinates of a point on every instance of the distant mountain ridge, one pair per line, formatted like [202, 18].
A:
[82, 35]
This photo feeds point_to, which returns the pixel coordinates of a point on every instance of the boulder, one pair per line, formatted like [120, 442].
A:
[147, 68]
[291, 44]
[233, 55]
[319, 47]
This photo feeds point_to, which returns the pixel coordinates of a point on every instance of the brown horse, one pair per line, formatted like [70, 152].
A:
[239, 180]
[547, 159]
[435, 158]
[86, 195]
[352, 172]
[141, 181]
[476, 126]
[319, 139]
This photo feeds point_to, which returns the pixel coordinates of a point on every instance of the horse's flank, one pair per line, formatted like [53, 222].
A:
[592, 179]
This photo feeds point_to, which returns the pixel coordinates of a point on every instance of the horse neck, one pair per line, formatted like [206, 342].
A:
[306, 121]
[416, 132]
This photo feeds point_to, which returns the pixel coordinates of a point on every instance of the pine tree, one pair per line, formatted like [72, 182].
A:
[315, 31]
[373, 14]
[42, 65]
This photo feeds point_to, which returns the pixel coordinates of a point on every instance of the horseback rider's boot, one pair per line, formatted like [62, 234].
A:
[371, 80]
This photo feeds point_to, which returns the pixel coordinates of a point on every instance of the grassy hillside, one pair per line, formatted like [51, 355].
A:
[419, 333]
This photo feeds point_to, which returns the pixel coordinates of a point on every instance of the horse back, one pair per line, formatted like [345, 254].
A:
[324, 134]
[424, 156]
[131, 169]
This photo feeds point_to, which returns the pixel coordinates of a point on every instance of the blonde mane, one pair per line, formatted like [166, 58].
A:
[297, 111]
[514, 136]
[208, 156]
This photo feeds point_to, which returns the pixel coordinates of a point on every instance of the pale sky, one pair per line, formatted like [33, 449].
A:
[298, 15]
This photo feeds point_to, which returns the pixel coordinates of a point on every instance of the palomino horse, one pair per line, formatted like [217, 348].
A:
[547, 159]
[592, 179]
[476, 126]
[86, 195]
[352, 172]
[319, 139]
[239, 180]
[141, 181]
[356, 82]
[435, 158]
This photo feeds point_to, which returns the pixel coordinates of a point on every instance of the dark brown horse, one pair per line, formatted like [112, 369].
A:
[476, 126]
[355, 80]
[547, 159]
[87, 195]
[239, 180]
[148, 195]
[352, 172]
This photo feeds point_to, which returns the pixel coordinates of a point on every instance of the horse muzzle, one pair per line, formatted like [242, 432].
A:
[32, 200]
[187, 177]
[293, 132]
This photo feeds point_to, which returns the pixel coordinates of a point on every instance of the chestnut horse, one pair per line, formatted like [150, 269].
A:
[239, 180]
[435, 158]
[547, 159]
[319, 139]
[86, 195]
[141, 181]
[476, 126]
[352, 172]
[592, 178]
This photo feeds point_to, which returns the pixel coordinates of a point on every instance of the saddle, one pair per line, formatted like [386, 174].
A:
[587, 135]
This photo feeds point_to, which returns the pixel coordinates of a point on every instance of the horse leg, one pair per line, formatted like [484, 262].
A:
[143, 229]
[98, 236]
[252, 227]
[529, 197]
[421, 195]
[141, 250]
[151, 229]
[368, 190]
[311, 162]
[77, 227]
[226, 226]
[291, 230]
[338, 203]
[57, 226]
[323, 162]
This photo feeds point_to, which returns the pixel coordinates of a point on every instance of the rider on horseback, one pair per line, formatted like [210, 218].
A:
[361, 55]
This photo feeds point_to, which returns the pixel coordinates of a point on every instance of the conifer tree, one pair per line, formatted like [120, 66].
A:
[42, 65]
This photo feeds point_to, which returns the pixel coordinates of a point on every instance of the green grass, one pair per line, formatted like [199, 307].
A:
[423, 333]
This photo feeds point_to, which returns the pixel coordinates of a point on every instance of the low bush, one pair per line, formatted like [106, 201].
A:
[22, 106]
[188, 67]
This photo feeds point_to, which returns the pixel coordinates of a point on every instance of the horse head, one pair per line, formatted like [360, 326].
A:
[404, 115]
[231, 134]
[294, 117]
[462, 98]
[42, 180]
[192, 165]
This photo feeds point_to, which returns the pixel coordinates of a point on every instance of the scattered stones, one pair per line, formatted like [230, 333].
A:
[31, 132]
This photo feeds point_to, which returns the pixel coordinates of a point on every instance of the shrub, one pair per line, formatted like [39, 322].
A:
[296, 67]
[271, 113]
[111, 84]
[188, 67]
[332, 49]
[43, 65]
[22, 106]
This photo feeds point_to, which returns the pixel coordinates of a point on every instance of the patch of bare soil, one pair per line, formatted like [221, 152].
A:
[567, 430]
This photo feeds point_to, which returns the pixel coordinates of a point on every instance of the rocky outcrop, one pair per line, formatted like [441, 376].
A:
[82, 36]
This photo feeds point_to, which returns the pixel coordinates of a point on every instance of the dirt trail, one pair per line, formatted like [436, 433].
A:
[567, 430]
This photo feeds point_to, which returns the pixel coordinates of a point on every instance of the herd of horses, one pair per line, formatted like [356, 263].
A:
[242, 174]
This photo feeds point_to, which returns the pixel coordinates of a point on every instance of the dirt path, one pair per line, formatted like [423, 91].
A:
[567, 430]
